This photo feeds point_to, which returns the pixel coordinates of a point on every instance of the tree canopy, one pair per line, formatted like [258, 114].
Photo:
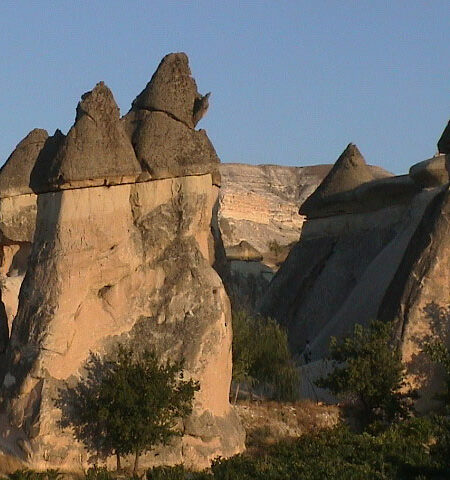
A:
[127, 403]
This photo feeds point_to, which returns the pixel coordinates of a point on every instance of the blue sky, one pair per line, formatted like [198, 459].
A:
[292, 81]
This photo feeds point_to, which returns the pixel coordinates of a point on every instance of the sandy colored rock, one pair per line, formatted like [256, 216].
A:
[244, 251]
[418, 297]
[171, 90]
[430, 173]
[96, 150]
[444, 142]
[116, 256]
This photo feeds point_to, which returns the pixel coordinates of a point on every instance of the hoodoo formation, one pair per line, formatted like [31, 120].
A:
[106, 237]
[370, 248]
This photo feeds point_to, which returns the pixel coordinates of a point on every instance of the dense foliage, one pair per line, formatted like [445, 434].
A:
[128, 403]
[367, 369]
[261, 356]
[404, 451]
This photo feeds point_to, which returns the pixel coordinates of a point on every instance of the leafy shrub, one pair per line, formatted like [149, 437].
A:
[98, 473]
[128, 403]
[261, 355]
[368, 369]
[27, 474]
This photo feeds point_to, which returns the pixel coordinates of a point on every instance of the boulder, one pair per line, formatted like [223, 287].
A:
[96, 150]
[444, 142]
[15, 173]
[349, 172]
[167, 148]
[430, 173]
[244, 251]
[116, 256]
[171, 90]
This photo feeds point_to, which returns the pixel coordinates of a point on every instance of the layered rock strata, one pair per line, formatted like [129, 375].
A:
[370, 248]
[117, 215]
[259, 206]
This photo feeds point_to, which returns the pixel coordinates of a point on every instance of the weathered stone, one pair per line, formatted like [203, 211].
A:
[117, 255]
[244, 251]
[15, 173]
[430, 173]
[96, 150]
[166, 148]
[444, 142]
[370, 196]
[418, 297]
[171, 90]
[349, 172]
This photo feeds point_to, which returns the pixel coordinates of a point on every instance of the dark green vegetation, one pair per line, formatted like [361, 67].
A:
[128, 403]
[405, 451]
[261, 357]
[368, 372]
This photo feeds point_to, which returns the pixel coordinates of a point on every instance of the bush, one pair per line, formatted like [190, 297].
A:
[128, 403]
[261, 356]
[368, 370]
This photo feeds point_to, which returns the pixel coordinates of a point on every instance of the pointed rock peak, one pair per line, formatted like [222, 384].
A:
[350, 158]
[349, 171]
[15, 173]
[96, 150]
[444, 141]
[172, 90]
[98, 104]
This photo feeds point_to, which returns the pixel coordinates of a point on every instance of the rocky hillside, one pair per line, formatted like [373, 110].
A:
[105, 237]
[370, 248]
[259, 219]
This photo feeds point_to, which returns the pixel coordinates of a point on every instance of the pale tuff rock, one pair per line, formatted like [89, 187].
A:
[418, 297]
[117, 254]
[379, 249]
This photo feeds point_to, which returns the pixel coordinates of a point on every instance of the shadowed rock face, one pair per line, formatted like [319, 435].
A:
[349, 171]
[384, 253]
[444, 141]
[108, 252]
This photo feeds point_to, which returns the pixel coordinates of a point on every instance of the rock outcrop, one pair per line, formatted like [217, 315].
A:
[110, 229]
[444, 142]
[259, 205]
[369, 249]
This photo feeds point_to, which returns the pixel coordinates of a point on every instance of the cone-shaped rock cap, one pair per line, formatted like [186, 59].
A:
[96, 149]
[349, 171]
[444, 142]
[15, 173]
[171, 89]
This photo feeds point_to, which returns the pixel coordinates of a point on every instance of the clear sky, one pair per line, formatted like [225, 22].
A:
[292, 81]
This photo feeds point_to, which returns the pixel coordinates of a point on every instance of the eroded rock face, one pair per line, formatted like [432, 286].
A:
[116, 256]
[384, 254]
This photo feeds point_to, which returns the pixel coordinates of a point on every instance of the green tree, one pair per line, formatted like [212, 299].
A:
[368, 369]
[127, 403]
[261, 355]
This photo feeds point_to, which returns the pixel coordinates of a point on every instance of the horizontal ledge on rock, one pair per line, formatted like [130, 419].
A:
[115, 181]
